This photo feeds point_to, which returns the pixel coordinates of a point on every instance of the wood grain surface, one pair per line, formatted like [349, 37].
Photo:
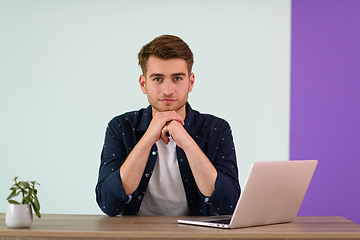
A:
[59, 226]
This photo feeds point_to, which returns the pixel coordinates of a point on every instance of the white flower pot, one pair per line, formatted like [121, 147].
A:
[19, 215]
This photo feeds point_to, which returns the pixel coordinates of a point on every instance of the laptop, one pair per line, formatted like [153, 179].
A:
[273, 193]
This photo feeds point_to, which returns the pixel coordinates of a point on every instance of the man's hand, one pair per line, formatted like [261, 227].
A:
[177, 132]
[159, 126]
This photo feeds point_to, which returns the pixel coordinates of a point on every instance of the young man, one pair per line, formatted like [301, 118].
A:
[167, 159]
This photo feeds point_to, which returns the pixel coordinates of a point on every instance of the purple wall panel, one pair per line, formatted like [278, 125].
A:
[325, 103]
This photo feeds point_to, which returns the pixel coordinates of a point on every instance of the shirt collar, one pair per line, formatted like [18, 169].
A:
[189, 118]
[145, 119]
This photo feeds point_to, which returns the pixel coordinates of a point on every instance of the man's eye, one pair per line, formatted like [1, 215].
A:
[177, 78]
[157, 79]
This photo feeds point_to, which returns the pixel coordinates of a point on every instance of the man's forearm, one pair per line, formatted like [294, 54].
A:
[133, 168]
[203, 170]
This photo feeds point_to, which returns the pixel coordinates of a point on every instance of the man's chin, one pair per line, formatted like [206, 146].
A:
[166, 108]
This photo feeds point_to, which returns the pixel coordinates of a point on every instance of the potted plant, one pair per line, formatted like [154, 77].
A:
[19, 214]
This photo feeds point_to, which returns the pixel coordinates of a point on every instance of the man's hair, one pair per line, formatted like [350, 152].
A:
[166, 47]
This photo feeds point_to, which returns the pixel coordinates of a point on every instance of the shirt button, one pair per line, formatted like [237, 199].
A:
[147, 175]
[153, 153]
[139, 197]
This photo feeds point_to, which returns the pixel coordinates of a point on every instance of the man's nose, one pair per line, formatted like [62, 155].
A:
[168, 87]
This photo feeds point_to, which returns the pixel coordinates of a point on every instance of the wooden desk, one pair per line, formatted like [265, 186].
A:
[53, 226]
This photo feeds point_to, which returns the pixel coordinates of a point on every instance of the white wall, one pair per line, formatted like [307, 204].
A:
[67, 67]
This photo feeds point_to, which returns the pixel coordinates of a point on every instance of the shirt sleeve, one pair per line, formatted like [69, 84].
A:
[227, 189]
[110, 194]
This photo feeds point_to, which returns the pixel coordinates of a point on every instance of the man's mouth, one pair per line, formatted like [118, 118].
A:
[167, 100]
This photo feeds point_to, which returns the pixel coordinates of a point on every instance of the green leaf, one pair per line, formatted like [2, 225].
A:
[29, 193]
[33, 205]
[38, 214]
[36, 210]
[36, 202]
[13, 202]
[26, 200]
[24, 185]
[13, 194]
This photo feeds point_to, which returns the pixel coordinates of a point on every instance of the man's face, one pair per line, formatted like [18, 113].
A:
[167, 84]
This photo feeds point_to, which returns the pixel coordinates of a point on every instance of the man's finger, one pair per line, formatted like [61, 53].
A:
[165, 135]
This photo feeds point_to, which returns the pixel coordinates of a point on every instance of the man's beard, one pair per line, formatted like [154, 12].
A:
[167, 110]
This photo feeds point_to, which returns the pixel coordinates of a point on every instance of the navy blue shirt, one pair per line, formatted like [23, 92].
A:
[213, 136]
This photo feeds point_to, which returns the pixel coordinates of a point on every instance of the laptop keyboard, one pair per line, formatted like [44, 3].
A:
[221, 221]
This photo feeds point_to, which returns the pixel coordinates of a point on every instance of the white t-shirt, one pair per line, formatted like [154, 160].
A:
[165, 194]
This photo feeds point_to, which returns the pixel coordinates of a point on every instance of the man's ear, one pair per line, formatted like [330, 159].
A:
[192, 81]
[142, 83]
